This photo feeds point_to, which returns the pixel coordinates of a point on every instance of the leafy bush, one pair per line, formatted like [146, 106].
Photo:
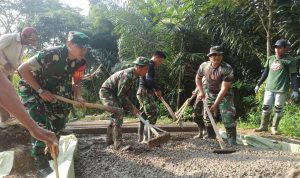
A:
[290, 123]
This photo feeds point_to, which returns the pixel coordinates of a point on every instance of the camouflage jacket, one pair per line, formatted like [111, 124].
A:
[53, 71]
[120, 82]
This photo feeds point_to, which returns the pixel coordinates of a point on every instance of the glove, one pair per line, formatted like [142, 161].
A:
[256, 89]
[294, 95]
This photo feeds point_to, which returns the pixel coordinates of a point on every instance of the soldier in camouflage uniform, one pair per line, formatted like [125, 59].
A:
[218, 92]
[114, 92]
[147, 94]
[53, 71]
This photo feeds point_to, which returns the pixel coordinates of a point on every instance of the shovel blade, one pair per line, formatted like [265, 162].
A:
[163, 138]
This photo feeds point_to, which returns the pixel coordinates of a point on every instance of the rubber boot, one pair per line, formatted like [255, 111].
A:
[118, 141]
[141, 131]
[275, 123]
[200, 133]
[109, 135]
[231, 135]
[210, 132]
[145, 134]
[264, 123]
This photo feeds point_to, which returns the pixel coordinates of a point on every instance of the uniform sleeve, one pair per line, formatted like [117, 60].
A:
[5, 41]
[124, 84]
[200, 70]
[228, 75]
[150, 82]
[292, 66]
[34, 63]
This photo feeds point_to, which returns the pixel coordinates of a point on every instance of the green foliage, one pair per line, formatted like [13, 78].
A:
[290, 123]
[188, 113]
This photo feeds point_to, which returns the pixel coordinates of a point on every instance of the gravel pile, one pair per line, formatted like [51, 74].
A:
[182, 157]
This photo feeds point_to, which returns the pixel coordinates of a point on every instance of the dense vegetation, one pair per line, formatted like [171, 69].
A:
[184, 29]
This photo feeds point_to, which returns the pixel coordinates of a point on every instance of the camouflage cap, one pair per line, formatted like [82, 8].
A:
[141, 61]
[282, 43]
[215, 50]
[79, 38]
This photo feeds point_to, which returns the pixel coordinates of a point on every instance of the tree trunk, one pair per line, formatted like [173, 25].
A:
[269, 27]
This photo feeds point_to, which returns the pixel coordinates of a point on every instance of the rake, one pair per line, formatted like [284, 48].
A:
[159, 139]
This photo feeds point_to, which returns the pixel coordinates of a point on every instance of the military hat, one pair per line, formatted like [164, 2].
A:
[79, 38]
[215, 50]
[141, 61]
[282, 43]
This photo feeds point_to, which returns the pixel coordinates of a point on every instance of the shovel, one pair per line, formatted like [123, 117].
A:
[223, 150]
[115, 110]
[159, 138]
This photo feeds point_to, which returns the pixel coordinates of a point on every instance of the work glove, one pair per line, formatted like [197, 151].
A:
[256, 89]
[294, 95]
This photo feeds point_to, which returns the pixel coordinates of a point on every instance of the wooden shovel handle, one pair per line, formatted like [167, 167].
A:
[91, 105]
[213, 123]
[171, 112]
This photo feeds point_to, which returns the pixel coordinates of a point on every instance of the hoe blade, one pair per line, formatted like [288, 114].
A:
[163, 138]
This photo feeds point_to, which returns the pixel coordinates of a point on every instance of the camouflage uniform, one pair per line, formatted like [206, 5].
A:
[53, 71]
[146, 96]
[114, 90]
[214, 78]
[113, 93]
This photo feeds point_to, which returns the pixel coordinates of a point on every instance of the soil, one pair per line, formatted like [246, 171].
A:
[182, 156]
[17, 139]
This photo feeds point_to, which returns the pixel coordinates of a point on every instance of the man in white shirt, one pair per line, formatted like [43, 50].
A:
[11, 51]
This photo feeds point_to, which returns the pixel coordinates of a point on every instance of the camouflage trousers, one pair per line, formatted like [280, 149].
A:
[51, 116]
[148, 104]
[226, 110]
[107, 98]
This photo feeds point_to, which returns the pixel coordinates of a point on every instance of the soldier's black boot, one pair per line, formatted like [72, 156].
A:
[141, 131]
[210, 132]
[118, 140]
[231, 135]
[109, 135]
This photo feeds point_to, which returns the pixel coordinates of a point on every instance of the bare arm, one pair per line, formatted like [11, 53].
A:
[199, 86]
[11, 102]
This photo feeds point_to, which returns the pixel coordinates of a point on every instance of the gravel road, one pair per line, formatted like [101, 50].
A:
[180, 157]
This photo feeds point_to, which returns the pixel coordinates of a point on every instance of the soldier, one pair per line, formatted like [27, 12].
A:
[280, 70]
[218, 93]
[146, 94]
[113, 93]
[12, 46]
[58, 70]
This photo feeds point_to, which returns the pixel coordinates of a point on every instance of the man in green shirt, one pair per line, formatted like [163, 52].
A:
[280, 70]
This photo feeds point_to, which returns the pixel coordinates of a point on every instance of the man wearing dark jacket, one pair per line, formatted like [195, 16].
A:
[146, 94]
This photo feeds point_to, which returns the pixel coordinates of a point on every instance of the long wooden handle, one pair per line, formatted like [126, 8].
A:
[55, 165]
[91, 105]
[168, 108]
[213, 123]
